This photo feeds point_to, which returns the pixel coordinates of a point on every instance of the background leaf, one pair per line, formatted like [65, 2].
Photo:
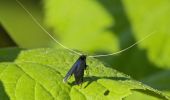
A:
[148, 16]
[76, 21]
[20, 26]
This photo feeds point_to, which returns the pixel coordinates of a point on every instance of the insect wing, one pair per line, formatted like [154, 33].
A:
[71, 71]
[79, 72]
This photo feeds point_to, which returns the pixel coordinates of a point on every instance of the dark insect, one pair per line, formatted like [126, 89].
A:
[78, 70]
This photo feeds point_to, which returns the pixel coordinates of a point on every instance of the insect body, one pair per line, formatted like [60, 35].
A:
[78, 70]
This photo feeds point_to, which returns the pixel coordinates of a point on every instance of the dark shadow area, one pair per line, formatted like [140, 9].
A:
[8, 49]
[160, 81]
[3, 94]
[134, 61]
[5, 39]
[9, 54]
[95, 78]
[151, 93]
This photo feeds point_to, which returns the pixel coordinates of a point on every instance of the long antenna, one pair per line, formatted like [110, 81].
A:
[73, 51]
[125, 48]
[46, 30]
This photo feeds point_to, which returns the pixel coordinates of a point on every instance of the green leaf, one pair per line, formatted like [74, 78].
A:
[152, 16]
[76, 21]
[37, 74]
[20, 27]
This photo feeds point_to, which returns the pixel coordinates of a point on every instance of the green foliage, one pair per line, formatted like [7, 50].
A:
[81, 24]
[92, 26]
[127, 21]
[37, 74]
[105, 23]
[20, 26]
[148, 16]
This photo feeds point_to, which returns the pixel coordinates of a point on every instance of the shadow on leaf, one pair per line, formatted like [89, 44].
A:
[3, 94]
[94, 78]
[91, 79]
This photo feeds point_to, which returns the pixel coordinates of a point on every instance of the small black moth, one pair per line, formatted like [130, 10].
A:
[78, 70]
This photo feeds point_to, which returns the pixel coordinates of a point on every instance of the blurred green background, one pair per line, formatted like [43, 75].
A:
[95, 27]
